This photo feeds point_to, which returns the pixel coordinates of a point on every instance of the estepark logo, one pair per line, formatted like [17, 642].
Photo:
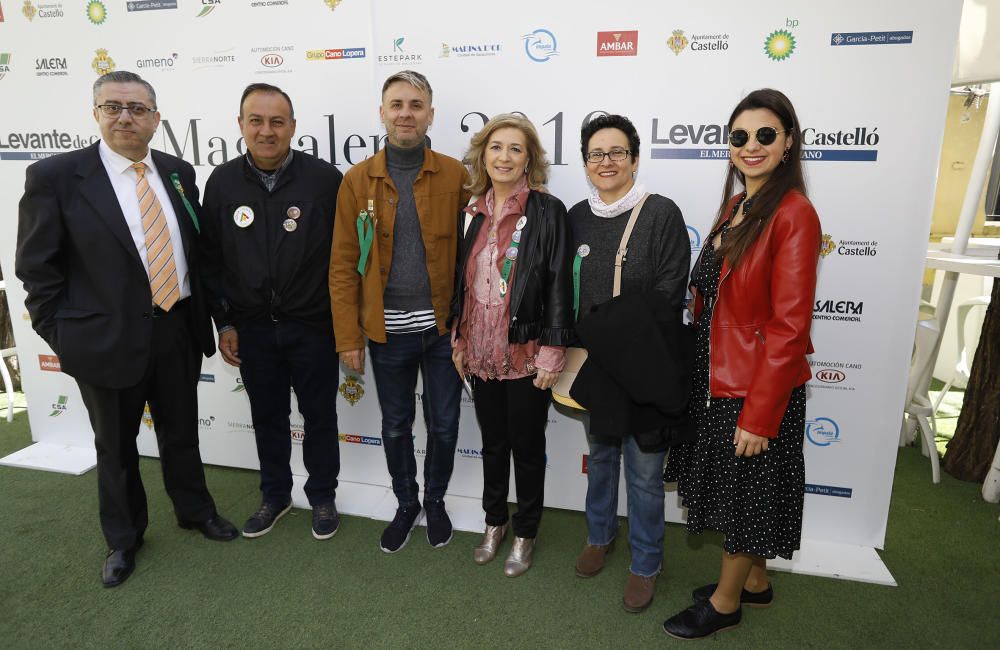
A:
[336, 54]
[51, 67]
[59, 406]
[838, 310]
[49, 363]
[400, 55]
[150, 5]
[780, 44]
[540, 45]
[624, 43]
[823, 431]
[695, 236]
[207, 7]
[871, 38]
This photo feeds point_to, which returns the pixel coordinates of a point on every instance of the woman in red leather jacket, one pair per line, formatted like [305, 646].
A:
[753, 289]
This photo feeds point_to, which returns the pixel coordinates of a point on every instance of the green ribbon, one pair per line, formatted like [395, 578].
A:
[176, 180]
[365, 238]
[508, 264]
[577, 263]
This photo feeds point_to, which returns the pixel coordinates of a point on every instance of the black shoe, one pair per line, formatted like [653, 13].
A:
[262, 521]
[758, 599]
[397, 534]
[326, 520]
[439, 528]
[215, 527]
[119, 565]
[700, 620]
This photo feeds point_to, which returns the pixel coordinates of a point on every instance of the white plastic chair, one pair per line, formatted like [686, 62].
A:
[966, 350]
[8, 384]
[918, 412]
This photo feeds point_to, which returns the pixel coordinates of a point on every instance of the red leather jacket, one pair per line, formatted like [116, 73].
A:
[761, 320]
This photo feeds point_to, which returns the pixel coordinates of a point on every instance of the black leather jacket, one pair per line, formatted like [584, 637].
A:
[541, 303]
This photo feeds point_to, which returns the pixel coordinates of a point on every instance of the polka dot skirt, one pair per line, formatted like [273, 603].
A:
[755, 502]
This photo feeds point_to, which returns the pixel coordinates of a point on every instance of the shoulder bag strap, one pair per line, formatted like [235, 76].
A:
[623, 246]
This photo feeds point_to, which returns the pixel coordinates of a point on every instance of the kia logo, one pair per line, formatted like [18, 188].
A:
[271, 60]
[830, 376]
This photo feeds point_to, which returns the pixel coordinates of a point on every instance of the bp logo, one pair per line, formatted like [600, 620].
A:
[97, 13]
[102, 63]
[828, 245]
[779, 45]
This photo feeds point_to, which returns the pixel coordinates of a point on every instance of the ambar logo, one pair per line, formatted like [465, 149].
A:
[49, 363]
[624, 43]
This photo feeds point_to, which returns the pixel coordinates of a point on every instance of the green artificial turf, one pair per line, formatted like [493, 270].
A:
[289, 590]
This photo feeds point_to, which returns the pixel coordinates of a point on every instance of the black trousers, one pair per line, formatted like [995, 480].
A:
[170, 386]
[512, 416]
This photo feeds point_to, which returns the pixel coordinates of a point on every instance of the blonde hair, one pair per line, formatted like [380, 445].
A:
[538, 166]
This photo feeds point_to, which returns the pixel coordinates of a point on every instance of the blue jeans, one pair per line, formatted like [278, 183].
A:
[644, 488]
[395, 364]
[276, 356]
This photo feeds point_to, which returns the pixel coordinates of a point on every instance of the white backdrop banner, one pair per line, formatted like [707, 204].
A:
[869, 82]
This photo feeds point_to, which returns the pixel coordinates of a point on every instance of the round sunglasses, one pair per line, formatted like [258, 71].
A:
[765, 136]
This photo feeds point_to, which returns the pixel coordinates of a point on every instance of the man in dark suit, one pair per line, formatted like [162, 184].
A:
[107, 253]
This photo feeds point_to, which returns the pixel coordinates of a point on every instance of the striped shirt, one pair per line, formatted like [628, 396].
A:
[408, 322]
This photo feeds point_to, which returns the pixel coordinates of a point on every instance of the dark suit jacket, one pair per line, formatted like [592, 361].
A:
[88, 292]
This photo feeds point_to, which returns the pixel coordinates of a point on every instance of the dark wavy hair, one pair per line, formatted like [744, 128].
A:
[787, 176]
[619, 122]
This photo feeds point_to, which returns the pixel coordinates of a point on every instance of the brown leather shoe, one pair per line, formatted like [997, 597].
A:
[638, 593]
[592, 559]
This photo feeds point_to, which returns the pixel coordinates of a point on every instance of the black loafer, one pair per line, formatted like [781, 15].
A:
[216, 528]
[118, 566]
[760, 599]
[700, 620]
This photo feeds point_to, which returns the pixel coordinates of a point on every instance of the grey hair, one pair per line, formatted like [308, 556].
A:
[413, 78]
[123, 77]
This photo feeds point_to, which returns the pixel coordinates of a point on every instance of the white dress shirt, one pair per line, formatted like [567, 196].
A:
[123, 180]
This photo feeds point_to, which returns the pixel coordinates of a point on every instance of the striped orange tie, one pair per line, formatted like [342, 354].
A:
[159, 252]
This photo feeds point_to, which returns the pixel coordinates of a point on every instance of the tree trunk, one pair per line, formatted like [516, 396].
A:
[971, 451]
[7, 340]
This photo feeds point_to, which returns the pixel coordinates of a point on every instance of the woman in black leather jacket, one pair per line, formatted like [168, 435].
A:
[512, 317]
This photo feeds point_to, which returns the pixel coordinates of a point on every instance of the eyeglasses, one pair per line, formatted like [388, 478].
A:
[616, 155]
[135, 109]
[765, 135]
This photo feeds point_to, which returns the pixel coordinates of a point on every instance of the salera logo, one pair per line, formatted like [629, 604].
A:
[624, 43]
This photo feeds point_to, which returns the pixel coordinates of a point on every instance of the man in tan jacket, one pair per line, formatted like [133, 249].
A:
[392, 275]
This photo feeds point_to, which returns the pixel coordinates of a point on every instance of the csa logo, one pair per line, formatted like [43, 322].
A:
[97, 13]
[822, 432]
[207, 7]
[780, 44]
[59, 407]
[677, 42]
[352, 390]
[102, 63]
[239, 386]
[4, 64]
[828, 245]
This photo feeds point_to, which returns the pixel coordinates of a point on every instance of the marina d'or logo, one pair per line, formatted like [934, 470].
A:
[779, 45]
[97, 13]
[352, 390]
[102, 63]
[677, 41]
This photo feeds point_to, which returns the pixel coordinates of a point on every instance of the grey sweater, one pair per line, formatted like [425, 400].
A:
[408, 287]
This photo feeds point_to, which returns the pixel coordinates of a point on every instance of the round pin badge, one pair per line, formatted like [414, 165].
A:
[290, 225]
[511, 253]
[521, 222]
[294, 212]
[243, 216]
[583, 251]
[516, 237]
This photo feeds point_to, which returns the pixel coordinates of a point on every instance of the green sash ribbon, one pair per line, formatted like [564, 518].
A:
[365, 238]
[175, 178]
